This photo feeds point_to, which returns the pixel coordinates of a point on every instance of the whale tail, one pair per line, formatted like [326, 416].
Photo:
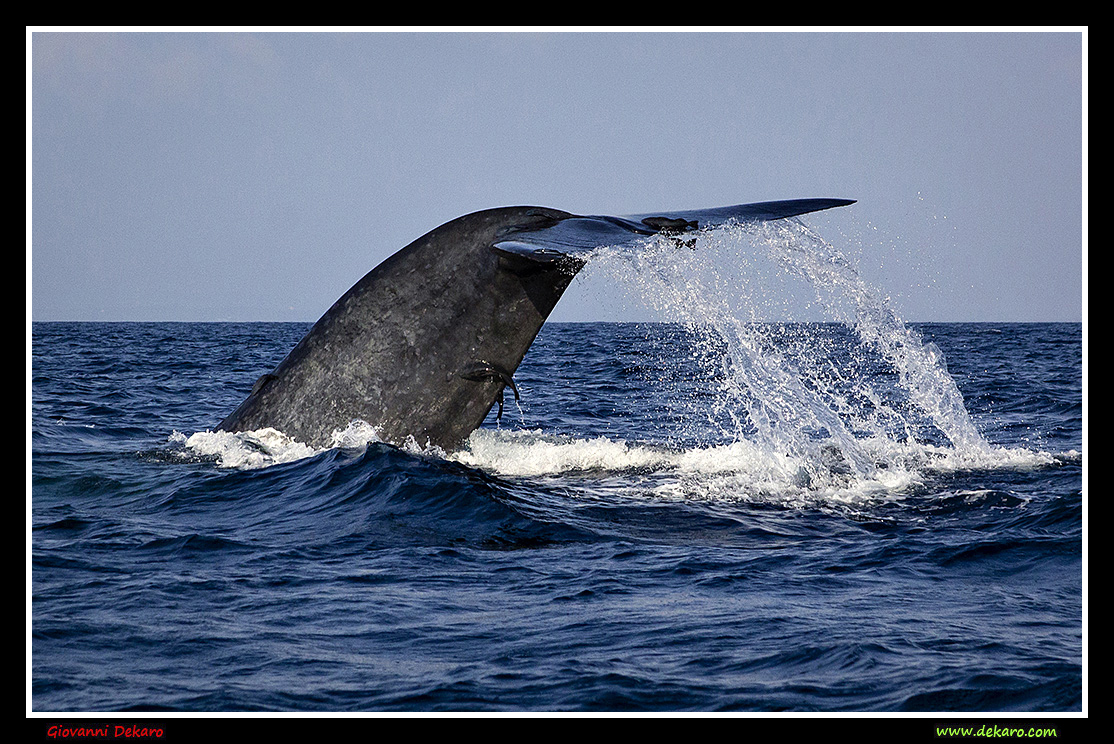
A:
[425, 343]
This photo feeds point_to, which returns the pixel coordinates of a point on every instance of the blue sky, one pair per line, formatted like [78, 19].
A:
[251, 175]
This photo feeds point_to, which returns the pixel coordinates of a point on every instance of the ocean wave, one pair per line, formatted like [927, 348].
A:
[730, 472]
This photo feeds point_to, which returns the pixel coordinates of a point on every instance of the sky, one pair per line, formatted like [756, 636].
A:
[252, 175]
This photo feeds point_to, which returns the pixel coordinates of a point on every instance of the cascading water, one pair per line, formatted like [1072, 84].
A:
[919, 365]
[837, 398]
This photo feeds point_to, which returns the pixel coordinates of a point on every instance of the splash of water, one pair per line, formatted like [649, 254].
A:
[920, 365]
[800, 389]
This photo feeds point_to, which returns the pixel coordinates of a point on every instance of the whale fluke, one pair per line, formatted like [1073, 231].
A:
[426, 342]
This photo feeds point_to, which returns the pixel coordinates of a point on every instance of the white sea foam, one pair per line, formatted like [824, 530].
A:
[605, 467]
[243, 450]
[250, 450]
[740, 470]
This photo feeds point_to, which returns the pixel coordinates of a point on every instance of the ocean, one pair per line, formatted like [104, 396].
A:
[714, 513]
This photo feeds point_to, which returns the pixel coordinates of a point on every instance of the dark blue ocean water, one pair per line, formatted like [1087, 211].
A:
[666, 522]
